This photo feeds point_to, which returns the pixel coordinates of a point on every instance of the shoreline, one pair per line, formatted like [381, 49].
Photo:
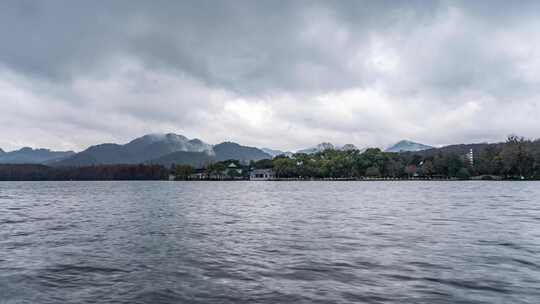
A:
[357, 180]
[279, 180]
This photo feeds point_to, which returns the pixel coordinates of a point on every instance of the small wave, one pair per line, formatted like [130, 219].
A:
[364, 298]
[12, 221]
[17, 245]
[426, 265]
[526, 263]
[465, 284]
[510, 245]
[159, 296]
[14, 208]
[62, 227]
[74, 269]
[21, 233]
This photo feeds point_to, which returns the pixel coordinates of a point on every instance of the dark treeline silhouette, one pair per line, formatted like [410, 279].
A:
[105, 172]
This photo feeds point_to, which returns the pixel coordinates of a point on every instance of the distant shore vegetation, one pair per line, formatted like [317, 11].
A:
[517, 158]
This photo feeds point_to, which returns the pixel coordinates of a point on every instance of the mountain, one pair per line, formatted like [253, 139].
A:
[156, 145]
[2, 151]
[460, 149]
[223, 151]
[163, 149]
[98, 155]
[348, 147]
[194, 159]
[318, 148]
[230, 150]
[407, 146]
[143, 149]
[275, 153]
[33, 156]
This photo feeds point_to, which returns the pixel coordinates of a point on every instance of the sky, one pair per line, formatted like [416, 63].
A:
[278, 74]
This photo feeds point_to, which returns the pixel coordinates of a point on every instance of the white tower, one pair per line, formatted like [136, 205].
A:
[470, 157]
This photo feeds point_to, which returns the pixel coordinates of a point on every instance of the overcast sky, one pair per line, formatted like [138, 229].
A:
[280, 74]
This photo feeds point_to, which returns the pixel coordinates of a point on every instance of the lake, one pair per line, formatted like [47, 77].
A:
[270, 242]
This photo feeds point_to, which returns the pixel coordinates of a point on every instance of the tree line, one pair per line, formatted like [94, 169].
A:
[517, 158]
[105, 172]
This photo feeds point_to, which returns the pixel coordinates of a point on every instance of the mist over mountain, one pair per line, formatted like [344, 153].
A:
[156, 145]
[140, 150]
[32, 156]
[275, 152]
[220, 152]
[165, 149]
[347, 147]
[327, 146]
[407, 146]
[318, 148]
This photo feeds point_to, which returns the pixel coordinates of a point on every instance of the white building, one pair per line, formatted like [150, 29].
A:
[470, 157]
[232, 169]
[261, 174]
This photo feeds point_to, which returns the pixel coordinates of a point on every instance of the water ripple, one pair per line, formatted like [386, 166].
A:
[297, 242]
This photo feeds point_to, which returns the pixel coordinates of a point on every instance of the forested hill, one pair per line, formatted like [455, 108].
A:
[458, 149]
[33, 156]
[230, 150]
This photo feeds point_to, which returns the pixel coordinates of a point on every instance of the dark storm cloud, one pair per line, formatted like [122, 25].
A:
[246, 45]
[336, 69]
[249, 46]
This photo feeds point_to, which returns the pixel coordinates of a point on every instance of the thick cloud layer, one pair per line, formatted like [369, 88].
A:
[284, 74]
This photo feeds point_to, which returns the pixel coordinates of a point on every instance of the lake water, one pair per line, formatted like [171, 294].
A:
[270, 242]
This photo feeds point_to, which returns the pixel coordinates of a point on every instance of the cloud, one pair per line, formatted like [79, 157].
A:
[268, 73]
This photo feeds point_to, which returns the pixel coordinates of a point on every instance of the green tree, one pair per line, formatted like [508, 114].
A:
[455, 163]
[427, 168]
[215, 168]
[373, 172]
[284, 167]
[516, 156]
[488, 161]
[183, 171]
[262, 164]
[463, 173]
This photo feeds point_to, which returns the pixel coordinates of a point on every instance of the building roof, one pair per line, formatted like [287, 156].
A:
[261, 171]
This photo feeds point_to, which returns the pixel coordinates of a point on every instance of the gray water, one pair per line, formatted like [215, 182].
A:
[269, 242]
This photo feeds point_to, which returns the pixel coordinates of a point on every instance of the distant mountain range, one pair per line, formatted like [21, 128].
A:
[32, 156]
[139, 150]
[274, 152]
[407, 146]
[167, 149]
[163, 149]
